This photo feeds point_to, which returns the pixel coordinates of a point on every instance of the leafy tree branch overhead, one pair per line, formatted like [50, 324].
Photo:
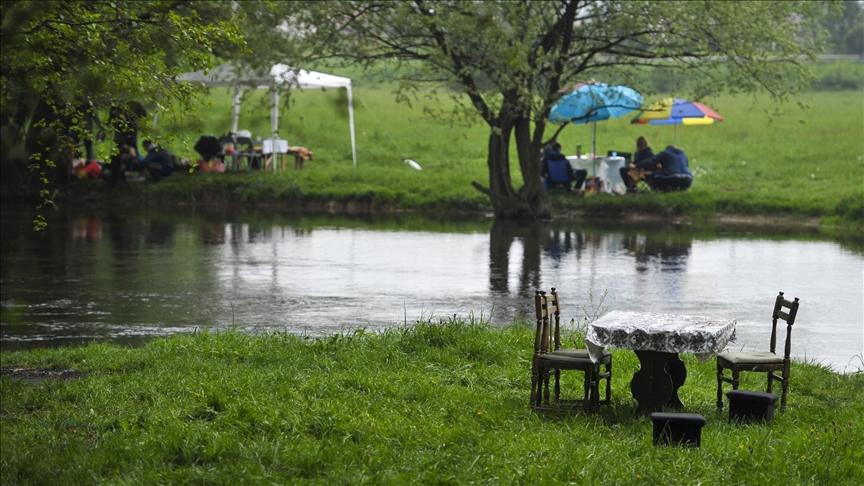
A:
[62, 58]
[510, 60]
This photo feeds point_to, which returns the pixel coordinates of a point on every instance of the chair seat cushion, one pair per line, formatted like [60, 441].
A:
[754, 358]
[570, 354]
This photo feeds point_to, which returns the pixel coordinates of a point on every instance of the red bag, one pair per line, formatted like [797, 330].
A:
[93, 170]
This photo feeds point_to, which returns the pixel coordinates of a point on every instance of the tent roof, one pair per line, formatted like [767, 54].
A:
[304, 79]
[228, 74]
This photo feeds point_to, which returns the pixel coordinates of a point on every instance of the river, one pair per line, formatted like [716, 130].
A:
[130, 276]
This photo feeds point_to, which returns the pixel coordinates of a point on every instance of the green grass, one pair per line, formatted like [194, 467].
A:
[764, 159]
[442, 403]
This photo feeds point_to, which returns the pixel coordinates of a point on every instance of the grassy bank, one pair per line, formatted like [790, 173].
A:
[764, 159]
[442, 403]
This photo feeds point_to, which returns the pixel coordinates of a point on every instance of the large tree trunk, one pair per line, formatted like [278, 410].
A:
[531, 201]
[532, 190]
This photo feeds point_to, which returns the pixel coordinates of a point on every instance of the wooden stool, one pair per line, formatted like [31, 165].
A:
[751, 406]
[681, 429]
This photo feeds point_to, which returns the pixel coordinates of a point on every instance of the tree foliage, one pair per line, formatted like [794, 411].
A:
[63, 61]
[509, 60]
[844, 23]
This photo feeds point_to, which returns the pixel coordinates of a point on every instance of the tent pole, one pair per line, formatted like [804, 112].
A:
[351, 123]
[274, 125]
[235, 116]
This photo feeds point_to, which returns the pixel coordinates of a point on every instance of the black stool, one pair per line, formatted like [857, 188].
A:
[751, 406]
[683, 429]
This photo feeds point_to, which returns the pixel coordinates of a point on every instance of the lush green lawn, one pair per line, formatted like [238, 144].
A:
[437, 403]
[797, 163]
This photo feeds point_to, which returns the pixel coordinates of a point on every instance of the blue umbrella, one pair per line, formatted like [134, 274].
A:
[593, 102]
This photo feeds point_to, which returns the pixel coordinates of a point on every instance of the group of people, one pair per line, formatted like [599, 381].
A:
[127, 164]
[668, 170]
[158, 163]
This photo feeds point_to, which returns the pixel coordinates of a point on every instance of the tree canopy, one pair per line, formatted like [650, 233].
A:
[504, 63]
[509, 61]
[63, 61]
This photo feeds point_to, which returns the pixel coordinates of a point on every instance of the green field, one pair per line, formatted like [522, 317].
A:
[433, 403]
[764, 159]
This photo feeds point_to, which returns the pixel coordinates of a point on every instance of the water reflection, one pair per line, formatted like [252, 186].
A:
[669, 253]
[502, 237]
[130, 276]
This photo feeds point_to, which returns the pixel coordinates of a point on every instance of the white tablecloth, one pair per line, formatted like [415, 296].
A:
[669, 333]
[267, 146]
[582, 162]
[612, 181]
[608, 169]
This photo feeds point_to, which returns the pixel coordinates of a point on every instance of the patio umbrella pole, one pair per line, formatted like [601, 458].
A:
[594, 149]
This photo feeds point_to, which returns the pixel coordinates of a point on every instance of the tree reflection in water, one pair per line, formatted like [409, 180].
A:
[561, 245]
[533, 237]
[121, 276]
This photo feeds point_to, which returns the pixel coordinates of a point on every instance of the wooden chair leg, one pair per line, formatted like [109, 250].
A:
[735, 380]
[594, 399]
[587, 390]
[609, 383]
[557, 385]
[719, 387]
[785, 384]
[592, 381]
[545, 379]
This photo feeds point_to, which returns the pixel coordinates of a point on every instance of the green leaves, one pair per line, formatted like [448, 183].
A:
[62, 54]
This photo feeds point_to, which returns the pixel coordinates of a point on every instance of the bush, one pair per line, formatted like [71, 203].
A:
[839, 76]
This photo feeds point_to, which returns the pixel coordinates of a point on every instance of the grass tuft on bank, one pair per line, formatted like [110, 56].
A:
[442, 402]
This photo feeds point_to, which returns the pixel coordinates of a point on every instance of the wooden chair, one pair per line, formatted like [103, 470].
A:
[550, 358]
[765, 362]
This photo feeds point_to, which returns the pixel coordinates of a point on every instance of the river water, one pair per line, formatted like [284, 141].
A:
[128, 277]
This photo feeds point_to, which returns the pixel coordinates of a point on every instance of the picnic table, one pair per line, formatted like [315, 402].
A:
[657, 339]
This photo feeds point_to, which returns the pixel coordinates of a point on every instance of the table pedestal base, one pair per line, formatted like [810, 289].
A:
[657, 382]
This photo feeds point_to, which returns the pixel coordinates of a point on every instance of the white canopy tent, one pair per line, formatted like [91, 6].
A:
[230, 75]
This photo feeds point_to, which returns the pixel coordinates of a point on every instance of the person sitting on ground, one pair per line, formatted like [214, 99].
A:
[630, 174]
[557, 170]
[674, 172]
[158, 162]
[130, 160]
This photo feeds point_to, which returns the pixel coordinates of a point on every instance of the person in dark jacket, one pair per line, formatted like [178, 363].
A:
[125, 120]
[674, 172]
[643, 150]
[158, 162]
[557, 170]
[628, 174]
